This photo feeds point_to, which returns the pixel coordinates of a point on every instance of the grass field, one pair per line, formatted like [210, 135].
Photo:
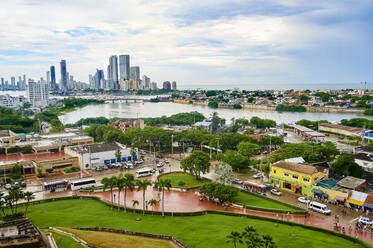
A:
[206, 231]
[242, 197]
[189, 180]
[64, 241]
[114, 240]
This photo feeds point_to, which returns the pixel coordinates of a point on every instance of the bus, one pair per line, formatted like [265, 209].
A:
[83, 184]
[55, 186]
[144, 172]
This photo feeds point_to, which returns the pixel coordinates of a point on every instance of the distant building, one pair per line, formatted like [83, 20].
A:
[154, 86]
[173, 85]
[53, 78]
[38, 93]
[124, 66]
[166, 85]
[114, 84]
[124, 123]
[340, 129]
[146, 82]
[48, 79]
[135, 73]
[63, 75]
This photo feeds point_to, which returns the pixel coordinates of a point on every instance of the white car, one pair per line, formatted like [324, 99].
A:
[129, 165]
[303, 200]
[166, 161]
[275, 192]
[140, 161]
[160, 164]
[365, 221]
[8, 186]
[258, 175]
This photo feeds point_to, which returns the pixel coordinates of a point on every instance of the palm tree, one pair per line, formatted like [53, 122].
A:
[152, 203]
[252, 238]
[118, 155]
[128, 183]
[133, 153]
[109, 183]
[234, 237]
[120, 186]
[268, 241]
[29, 196]
[161, 185]
[2, 202]
[17, 194]
[143, 185]
[134, 204]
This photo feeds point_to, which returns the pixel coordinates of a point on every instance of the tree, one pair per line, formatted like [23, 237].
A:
[134, 204]
[196, 163]
[133, 152]
[268, 241]
[143, 185]
[152, 203]
[345, 166]
[215, 122]
[234, 238]
[2, 202]
[247, 149]
[29, 196]
[213, 104]
[217, 190]
[118, 155]
[120, 186]
[128, 183]
[110, 183]
[235, 159]
[224, 172]
[161, 185]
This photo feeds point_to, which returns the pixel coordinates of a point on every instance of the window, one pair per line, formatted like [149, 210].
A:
[286, 174]
[274, 171]
[306, 179]
[295, 176]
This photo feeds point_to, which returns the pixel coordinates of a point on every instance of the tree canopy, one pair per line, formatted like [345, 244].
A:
[196, 163]
[345, 166]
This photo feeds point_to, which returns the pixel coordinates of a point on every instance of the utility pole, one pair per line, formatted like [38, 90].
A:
[172, 144]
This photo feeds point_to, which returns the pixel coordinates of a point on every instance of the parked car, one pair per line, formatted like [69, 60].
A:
[117, 165]
[258, 175]
[110, 166]
[154, 170]
[140, 161]
[8, 186]
[160, 164]
[166, 161]
[129, 165]
[23, 184]
[237, 181]
[341, 137]
[99, 169]
[105, 167]
[159, 156]
[161, 171]
[142, 152]
[275, 192]
[268, 186]
[16, 184]
[365, 221]
[303, 200]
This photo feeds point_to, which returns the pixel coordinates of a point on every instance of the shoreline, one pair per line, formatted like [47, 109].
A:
[273, 108]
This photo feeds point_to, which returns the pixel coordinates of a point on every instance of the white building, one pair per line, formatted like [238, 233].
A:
[96, 155]
[11, 102]
[38, 93]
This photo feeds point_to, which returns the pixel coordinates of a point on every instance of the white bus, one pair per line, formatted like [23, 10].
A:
[144, 172]
[83, 184]
[55, 186]
[319, 207]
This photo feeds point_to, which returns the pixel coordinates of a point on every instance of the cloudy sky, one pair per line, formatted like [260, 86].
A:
[193, 42]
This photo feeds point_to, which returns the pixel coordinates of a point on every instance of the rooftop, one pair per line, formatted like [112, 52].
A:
[20, 233]
[363, 156]
[202, 123]
[351, 182]
[302, 168]
[327, 183]
[94, 148]
[346, 128]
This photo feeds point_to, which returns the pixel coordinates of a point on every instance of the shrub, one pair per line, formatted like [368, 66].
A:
[181, 183]
[49, 170]
[10, 217]
[71, 169]
[237, 106]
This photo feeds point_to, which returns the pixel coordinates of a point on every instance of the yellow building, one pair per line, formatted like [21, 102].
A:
[297, 178]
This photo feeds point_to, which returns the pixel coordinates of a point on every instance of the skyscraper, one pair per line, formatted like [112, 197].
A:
[135, 73]
[49, 79]
[63, 75]
[13, 82]
[173, 86]
[166, 85]
[113, 61]
[124, 66]
[38, 93]
[99, 79]
[146, 82]
[53, 78]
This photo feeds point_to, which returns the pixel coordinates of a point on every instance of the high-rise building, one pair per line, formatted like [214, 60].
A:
[63, 75]
[91, 82]
[154, 86]
[13, 82]
[135, 73]
[38, 93]
[99, 79]
[166, 85]
[49, 79]
[53, 78]
[173, 85]
[146, 82]
[124, 66]
[113, 61]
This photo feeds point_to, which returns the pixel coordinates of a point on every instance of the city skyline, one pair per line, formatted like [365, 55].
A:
[238, 42]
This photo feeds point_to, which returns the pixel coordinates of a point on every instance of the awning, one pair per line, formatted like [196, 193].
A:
[358, 203]
[317, 191]
[367, 205]
[340, 198]
[297, 187]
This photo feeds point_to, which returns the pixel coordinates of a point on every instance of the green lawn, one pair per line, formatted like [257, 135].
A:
[252, 200]
[244, 198]
[189, 180]
[64, 241]
[206, 231]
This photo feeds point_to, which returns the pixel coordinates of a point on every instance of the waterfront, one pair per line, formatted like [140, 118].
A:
[147, 109]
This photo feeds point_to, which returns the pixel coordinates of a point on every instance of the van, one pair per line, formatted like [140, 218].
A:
[319, 207]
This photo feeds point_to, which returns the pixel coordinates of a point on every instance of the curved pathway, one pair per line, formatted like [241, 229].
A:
[177, 201]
